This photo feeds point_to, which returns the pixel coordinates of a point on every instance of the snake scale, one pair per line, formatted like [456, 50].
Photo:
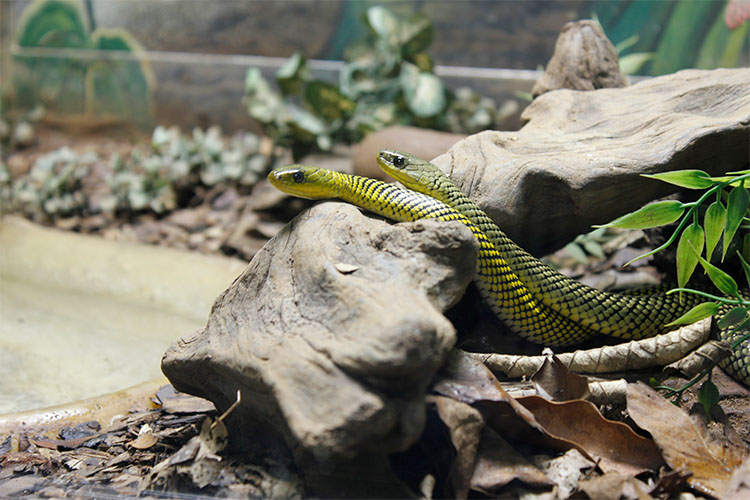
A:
[529, 297]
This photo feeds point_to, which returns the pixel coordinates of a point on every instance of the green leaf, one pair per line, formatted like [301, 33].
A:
[691, 179]
[262, 102]
[593, 248]
[735, 316]
[688, 248]
[424, 92]
[383, 23]
[736, 208]
[575, 251]
[745, 267]
[708, 396]
[653, 215]
[697, 313]
[630, 64]
[416, 34]
[326, 100]
[719, 278]
[292, 74]
[713, 224]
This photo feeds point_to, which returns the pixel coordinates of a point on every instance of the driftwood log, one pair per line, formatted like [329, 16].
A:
[333, 332]
[579, 159]
[584, 59]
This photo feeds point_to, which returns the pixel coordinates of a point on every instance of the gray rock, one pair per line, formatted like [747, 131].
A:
[584, 59]
[579, 159]
[333, 331]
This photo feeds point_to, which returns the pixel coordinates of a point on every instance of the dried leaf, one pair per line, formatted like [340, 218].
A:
[145, 439]
[635, 355]
[345, 268]
[613, 445]
[739, 485]
[683, 445]
[465, 426]
[555, 382]
[498, 463]
[613, 486]
[707, 355]
[566, 470]
[172, 401]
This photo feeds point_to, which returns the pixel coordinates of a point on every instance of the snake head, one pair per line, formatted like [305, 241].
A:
[312, 183]
[412, 172]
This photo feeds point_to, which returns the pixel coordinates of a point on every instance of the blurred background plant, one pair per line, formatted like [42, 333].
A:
[388, 79]
[166, 175]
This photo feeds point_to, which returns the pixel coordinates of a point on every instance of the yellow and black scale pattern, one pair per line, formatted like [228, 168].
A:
[624, 315]
[498, 284]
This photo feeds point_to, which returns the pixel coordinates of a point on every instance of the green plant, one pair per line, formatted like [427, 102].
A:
[160, 178]
[53, 186]
[387, 80]
[723, 230]
[113, 86]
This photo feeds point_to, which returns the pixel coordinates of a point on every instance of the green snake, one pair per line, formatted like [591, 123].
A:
[529, 297]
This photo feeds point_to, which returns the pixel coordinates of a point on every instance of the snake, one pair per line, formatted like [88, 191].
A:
[633, 315]
[527, 296]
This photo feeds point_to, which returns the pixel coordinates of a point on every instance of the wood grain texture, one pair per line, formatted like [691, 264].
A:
[578, 160]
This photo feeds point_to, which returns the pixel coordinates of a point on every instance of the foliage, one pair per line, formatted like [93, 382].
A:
[725, 207]
[588, 244]
[160, 179]
[113, 86]
[387, 80]
[677, 34]
[53, 185]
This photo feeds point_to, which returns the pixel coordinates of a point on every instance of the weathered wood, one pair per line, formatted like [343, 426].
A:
[579, 159]
[584, 59]
[333, 331]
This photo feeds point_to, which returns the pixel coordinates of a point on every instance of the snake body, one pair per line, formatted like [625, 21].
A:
[500, 287]
[530, 298]
[625, 315]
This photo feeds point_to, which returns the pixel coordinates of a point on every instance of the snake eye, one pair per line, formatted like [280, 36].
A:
[399, 161]
[298, 176]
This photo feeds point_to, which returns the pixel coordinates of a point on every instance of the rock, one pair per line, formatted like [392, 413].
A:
[584, 59]
[332, 332]
[418, 141]
[579, 159]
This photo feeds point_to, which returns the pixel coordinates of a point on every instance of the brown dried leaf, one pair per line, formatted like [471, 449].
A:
[613, 445]
[574, 424]
[635, 355]
[465, 426]
[706, 356]
[683, 444]
[555, 382]
[468, 380]
[739, 485]
[566, 470]
[498, 463]
[614, 486]
[173, 401]
[145, 439]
